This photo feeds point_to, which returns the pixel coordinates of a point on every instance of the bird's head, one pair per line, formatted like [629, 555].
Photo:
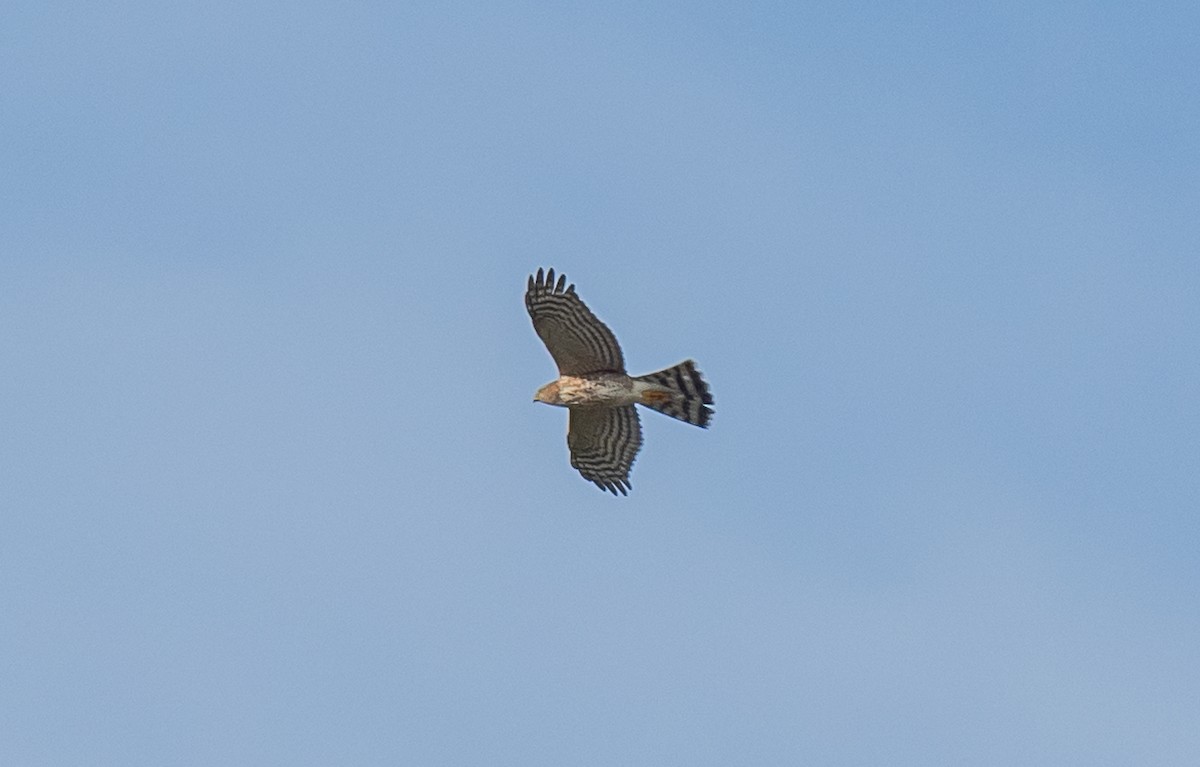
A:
[548, 394]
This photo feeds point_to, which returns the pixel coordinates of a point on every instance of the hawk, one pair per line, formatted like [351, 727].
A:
[604, 434]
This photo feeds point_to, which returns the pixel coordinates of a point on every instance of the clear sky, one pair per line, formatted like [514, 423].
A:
[273, 489]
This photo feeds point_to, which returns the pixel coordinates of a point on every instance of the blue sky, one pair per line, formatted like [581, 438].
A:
[274, 490]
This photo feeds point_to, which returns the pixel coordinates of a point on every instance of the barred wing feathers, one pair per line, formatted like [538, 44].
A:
[604, 442]
[578, 341]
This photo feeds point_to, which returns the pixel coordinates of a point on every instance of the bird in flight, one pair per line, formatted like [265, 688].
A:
[604, 434]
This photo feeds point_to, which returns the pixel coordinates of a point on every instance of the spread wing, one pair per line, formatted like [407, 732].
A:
[604, 442]
[578, 342]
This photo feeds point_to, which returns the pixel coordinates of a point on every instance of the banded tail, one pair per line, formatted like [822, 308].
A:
[679, 392]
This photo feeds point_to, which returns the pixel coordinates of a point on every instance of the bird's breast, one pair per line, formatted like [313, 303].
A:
[610, 390]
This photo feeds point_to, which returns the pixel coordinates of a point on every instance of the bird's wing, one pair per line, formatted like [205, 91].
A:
[578, 342]
[604, 442]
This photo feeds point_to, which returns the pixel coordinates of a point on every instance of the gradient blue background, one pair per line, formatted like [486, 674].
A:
[274, 491]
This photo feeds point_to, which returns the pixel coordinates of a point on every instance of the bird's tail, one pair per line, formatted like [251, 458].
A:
[680, 392]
